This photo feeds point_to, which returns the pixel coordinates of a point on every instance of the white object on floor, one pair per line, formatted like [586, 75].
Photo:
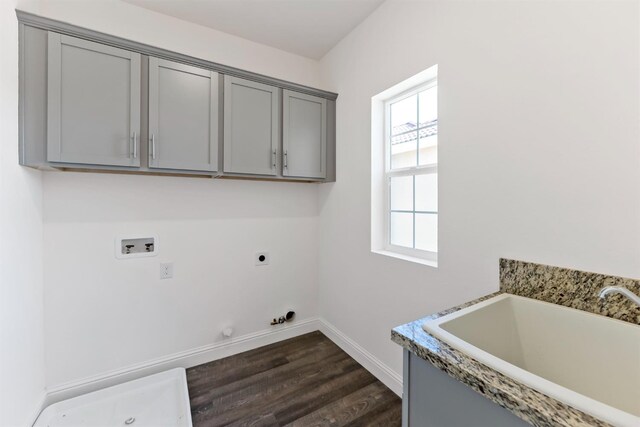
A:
[585, 360]
[154, 401]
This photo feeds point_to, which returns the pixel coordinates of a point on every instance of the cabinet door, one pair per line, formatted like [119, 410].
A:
[93, 103]
[183, 116]
[304, 135]
[251, 119]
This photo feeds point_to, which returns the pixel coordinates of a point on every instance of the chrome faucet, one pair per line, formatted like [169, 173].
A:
[619, 290]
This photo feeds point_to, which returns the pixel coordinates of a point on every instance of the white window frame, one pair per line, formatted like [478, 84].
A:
[409, 171]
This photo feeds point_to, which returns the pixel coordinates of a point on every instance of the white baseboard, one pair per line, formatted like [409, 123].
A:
[208, 353]
[388, 376]
[185, 359]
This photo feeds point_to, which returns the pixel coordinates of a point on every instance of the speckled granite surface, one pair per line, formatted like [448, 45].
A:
[520, 278]
[571, 288]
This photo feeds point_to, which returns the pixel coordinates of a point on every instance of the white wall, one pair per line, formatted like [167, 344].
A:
[539, 155]
[539, 160]
[22, 377]
[103, 314]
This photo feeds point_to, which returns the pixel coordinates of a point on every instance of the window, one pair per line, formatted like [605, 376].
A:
[411, 172]
[404, 169]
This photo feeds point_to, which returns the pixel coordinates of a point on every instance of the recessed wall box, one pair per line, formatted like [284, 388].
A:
[136, 247]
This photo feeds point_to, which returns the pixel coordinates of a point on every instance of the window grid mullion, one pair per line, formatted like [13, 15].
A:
[390, 136]
[417, 133]
[413, 213]
[416, 211]
[390, 163]
[389, 210]
[417, 164]
[422, 170]
[419, 128]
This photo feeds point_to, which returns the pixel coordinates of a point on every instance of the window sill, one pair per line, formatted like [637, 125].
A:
[427, 262]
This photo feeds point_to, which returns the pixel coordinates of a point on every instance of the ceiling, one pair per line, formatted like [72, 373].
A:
[305, 27]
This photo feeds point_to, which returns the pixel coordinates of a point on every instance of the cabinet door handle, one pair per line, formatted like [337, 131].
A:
[275, 153]
[153, 146]
[135, 145]
[286, 163]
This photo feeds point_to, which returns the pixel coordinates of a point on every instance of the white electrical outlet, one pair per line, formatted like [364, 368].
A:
[166, 270]
[262, 258]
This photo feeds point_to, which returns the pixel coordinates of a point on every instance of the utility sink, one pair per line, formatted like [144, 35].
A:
[587, 361]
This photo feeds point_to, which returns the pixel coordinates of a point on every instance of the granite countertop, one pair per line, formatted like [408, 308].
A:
[564, 287]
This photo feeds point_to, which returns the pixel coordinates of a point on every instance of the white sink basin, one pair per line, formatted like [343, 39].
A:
[587, 361]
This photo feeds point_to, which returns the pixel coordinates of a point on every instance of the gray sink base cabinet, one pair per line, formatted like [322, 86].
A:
[431, 398]
[90, 101]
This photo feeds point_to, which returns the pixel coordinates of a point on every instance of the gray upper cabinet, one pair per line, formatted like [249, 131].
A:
[251, 118]
[183, 117]
[93, 103]
[304, 135]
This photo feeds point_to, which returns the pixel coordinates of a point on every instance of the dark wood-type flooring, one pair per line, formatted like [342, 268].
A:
[303, 381]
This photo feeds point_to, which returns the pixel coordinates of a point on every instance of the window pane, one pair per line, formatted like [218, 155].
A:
[427, 232]
[404, 136]
[429, 150]
[427, 192]
[404, 115]
[428, 105]
[402, 193]
[428, 133]
[401, 229]
[403, 150]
